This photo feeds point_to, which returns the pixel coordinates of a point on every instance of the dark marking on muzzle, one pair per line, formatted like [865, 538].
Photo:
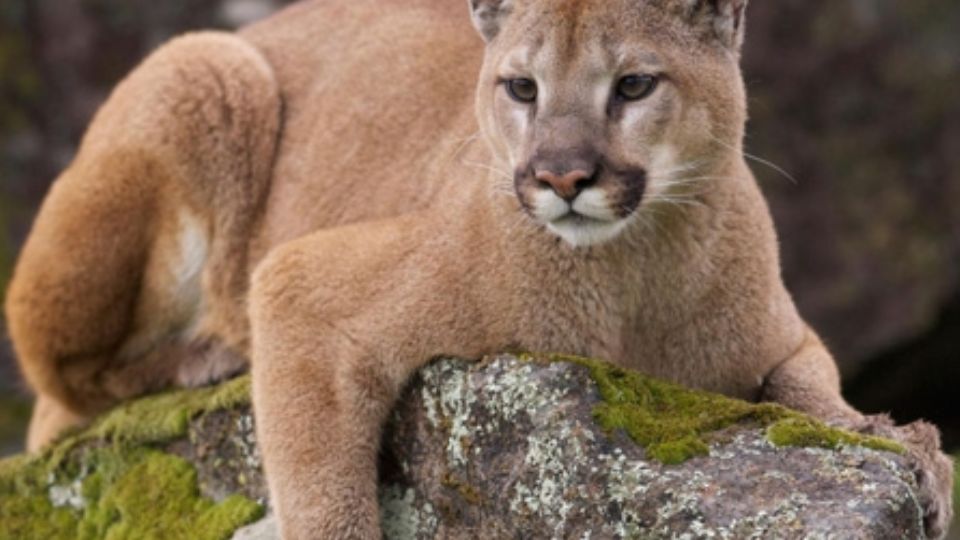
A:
[628, 190]
[624, 186]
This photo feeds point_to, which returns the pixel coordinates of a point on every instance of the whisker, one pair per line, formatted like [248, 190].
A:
[773, 166]
[657, 227]
[688, 166]
[695, 179]
[678, 203]
[675, 198]
[465, 142]
[484, 166]
[757, 159]
[688, 190]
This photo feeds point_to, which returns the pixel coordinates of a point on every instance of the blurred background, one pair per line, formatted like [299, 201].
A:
[858, 100]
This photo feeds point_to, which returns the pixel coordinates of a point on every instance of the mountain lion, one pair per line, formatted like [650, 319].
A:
[587, 194]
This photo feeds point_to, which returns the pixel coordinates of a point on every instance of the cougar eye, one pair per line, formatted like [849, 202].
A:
[522, 90]
[636, 87]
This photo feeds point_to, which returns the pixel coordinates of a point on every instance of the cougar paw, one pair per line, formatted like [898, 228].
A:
[208, 361]
[932, 469]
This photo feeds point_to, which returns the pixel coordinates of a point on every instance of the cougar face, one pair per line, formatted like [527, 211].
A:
[599, 117]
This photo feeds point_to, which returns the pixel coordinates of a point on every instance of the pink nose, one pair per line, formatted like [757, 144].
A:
[567, 186]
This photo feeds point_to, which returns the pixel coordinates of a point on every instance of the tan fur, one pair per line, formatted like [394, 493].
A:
[137, 262]
[404, 220]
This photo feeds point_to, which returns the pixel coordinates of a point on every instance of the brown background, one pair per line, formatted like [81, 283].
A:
[858, 100]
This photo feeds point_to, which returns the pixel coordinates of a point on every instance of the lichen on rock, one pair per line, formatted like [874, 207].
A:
[506, 447]
[548, 447]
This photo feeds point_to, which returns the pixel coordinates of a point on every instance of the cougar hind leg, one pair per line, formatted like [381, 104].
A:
[135, 274]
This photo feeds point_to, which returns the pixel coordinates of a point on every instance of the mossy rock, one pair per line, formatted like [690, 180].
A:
[116, 481]
[513, 446]
[672, 422]
[498, 448]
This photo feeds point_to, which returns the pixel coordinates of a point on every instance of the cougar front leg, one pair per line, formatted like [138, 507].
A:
[809, 382]
[321, 402]
[322, 390]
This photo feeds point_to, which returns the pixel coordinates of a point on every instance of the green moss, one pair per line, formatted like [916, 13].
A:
[157, 497]
[12, 465]
[805, 431]
[678, 451]
[25, 509]
[673, 423]
[131, 494]
[166, 416]
[157, 418]
[111, 482]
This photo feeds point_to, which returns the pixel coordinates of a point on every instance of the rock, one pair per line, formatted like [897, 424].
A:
[521, 452]
[508, 447]
[265, 529]
[122, 478]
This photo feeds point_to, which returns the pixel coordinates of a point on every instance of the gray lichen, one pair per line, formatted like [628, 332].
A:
[403, 517]
[504, 448]
[532, 450]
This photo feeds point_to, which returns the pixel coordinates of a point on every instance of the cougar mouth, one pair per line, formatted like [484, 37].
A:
[582, 230]
[576, 218]
[595, 215]
[586, 202]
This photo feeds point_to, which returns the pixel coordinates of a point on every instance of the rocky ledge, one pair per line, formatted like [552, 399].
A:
[510, 447]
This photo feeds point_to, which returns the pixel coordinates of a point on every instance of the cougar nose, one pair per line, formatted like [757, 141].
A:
[567, 186]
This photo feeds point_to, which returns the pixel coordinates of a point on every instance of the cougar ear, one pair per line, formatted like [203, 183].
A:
[724, 18]
[488, 16]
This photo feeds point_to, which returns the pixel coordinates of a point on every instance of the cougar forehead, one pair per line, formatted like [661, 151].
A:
[621, 156]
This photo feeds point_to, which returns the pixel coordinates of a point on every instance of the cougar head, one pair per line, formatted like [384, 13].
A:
[602, 108]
